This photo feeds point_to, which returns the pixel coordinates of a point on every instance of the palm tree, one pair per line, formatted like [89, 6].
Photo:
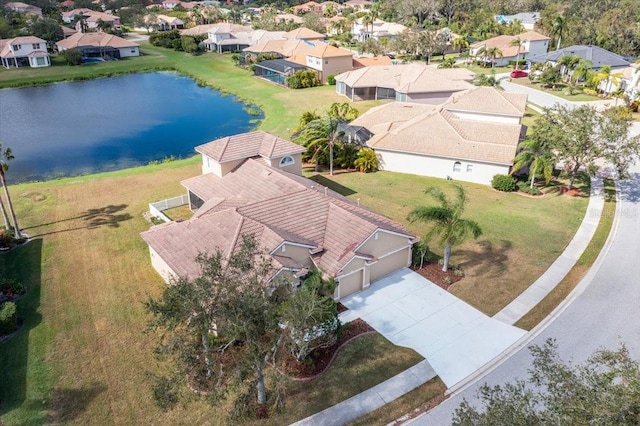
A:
[606, 74]
[582, 70]
[319, 136]
[5, 157]
[7, 226]
[490, 53]
[459, 43]
[569, 62]
[558, 24]
[517, 42]
[537, 156]
[448, 222]
[367, 161]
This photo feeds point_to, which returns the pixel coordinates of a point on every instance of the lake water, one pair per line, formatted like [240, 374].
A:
[75, 128]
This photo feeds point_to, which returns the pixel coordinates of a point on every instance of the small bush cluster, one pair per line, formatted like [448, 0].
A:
[331, 80]
[5, 238]
[173, 40]
[8, 318]
[504, 183]
[527, 189]
[303, 79]
[12, 287]
[72, 56]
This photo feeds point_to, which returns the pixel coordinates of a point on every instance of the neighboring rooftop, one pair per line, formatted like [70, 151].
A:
[95, 39]
[598, 56]
[247, 145]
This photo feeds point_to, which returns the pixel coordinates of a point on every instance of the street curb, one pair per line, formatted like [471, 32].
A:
[562, 306]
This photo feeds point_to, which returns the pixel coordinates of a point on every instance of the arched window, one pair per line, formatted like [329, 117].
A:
[457, 166]
[287, 161]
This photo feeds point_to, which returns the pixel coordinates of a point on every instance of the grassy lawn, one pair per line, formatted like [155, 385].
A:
[519, 243]
[403, 405]
[582, 266]
[82, 356]
[529, 118]
[561, 91]
[282, 107]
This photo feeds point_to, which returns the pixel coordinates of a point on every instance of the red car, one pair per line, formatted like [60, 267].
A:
[518, 74]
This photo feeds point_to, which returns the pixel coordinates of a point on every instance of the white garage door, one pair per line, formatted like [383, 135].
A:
[388, 264]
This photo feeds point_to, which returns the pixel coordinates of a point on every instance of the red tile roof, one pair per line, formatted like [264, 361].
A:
[247, 145]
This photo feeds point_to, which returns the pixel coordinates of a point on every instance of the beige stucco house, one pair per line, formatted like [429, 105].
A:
[24, 51]
[471, 137]
[532, 43]
[100, 45]
[251, 184]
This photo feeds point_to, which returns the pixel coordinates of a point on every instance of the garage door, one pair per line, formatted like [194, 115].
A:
[351, 284]
[389, 264]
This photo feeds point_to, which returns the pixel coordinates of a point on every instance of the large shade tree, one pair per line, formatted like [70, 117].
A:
[5, 157]
[604, 390]
[448, 224]
[582, 136]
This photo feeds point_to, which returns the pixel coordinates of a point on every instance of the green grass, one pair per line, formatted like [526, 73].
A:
[282, 107]
[83, 356]
[582, 266]
[522, 235]
[529, 119]
[560, 91]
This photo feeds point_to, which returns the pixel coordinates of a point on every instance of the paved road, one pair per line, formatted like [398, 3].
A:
[602, 316]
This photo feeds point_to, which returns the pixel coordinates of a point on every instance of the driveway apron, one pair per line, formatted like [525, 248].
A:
[409, 310]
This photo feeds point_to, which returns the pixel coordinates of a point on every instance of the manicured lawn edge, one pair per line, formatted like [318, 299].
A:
[582, 266]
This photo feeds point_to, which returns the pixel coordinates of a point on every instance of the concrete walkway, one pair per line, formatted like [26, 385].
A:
[563, 264]
[372, 399]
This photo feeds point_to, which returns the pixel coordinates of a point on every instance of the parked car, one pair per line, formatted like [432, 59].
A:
[518, 74]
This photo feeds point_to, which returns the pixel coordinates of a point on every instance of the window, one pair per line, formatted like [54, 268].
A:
[287, 161]
[40, 61]
[469, 168]
[326, 62]
[133, 50]
[16, 47]
[35, 46]
[457, 166]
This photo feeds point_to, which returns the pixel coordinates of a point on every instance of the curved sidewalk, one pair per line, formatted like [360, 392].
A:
[537, 291]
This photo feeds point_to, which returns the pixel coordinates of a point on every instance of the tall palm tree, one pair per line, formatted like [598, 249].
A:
[582, 70]
[518, 43]
[5, 157]
[490, 53]
[607, 75]
[537, 156]
[449, 225]
[319, 136]
[569, 62]
[7, 226]
[559, 24]
[460, 43]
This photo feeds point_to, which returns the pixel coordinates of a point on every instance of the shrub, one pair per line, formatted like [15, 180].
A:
[504, 183]
[527, 189]
[12, 287]
[5, 238]
[8, 318]
[303, 79]
[72, 56]
[331, 80]
[367, 160]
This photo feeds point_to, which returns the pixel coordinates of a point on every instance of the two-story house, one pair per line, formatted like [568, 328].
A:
[26, 51]
[530, 44]
[27, 9]
[251, 184]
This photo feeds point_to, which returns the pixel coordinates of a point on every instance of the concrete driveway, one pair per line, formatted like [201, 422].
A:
[455, 338]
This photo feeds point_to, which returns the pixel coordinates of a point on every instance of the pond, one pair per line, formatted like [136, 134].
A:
[76, 128]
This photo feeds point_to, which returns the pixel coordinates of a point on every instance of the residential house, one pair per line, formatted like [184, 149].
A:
[90, 19]
[68, 4]
[378, 29]
[532, 44]
[26, 51]
[471, 137]
[310, 6]
[630, 82]
[289, 17]
[27, 9]
[225, 37]
[359, 5]
[527, 19]
[168, 23]
[100, 45]
[597, 56]
[67, 32]
[303, 33]
[170, 4]
[300, 223]
[414, 82]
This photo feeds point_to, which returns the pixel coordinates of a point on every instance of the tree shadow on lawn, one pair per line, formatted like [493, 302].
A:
[91, 219]
[23, 265]
[69, 403]
[333, 185]
[582, 183]
[491, 259]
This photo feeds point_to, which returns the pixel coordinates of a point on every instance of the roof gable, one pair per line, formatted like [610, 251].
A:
[246, 145]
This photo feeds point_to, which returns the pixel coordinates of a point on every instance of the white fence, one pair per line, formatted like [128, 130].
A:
[158, 207]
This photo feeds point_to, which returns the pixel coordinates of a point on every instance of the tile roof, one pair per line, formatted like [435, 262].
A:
[247, 145]
[597, 55]
[304, 33]
[441, 134]
[405, 78]
[488, 100]
[324, 50]
[277, 207]
[95, 39]
[503, 42]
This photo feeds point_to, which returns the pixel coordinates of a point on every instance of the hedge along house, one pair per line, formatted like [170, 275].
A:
[403, 83]
[301, 224]
[471, 137]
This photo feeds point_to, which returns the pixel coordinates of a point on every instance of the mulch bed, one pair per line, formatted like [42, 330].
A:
[572, 192]
[321, 359]
[433, 272]
[341, 308]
